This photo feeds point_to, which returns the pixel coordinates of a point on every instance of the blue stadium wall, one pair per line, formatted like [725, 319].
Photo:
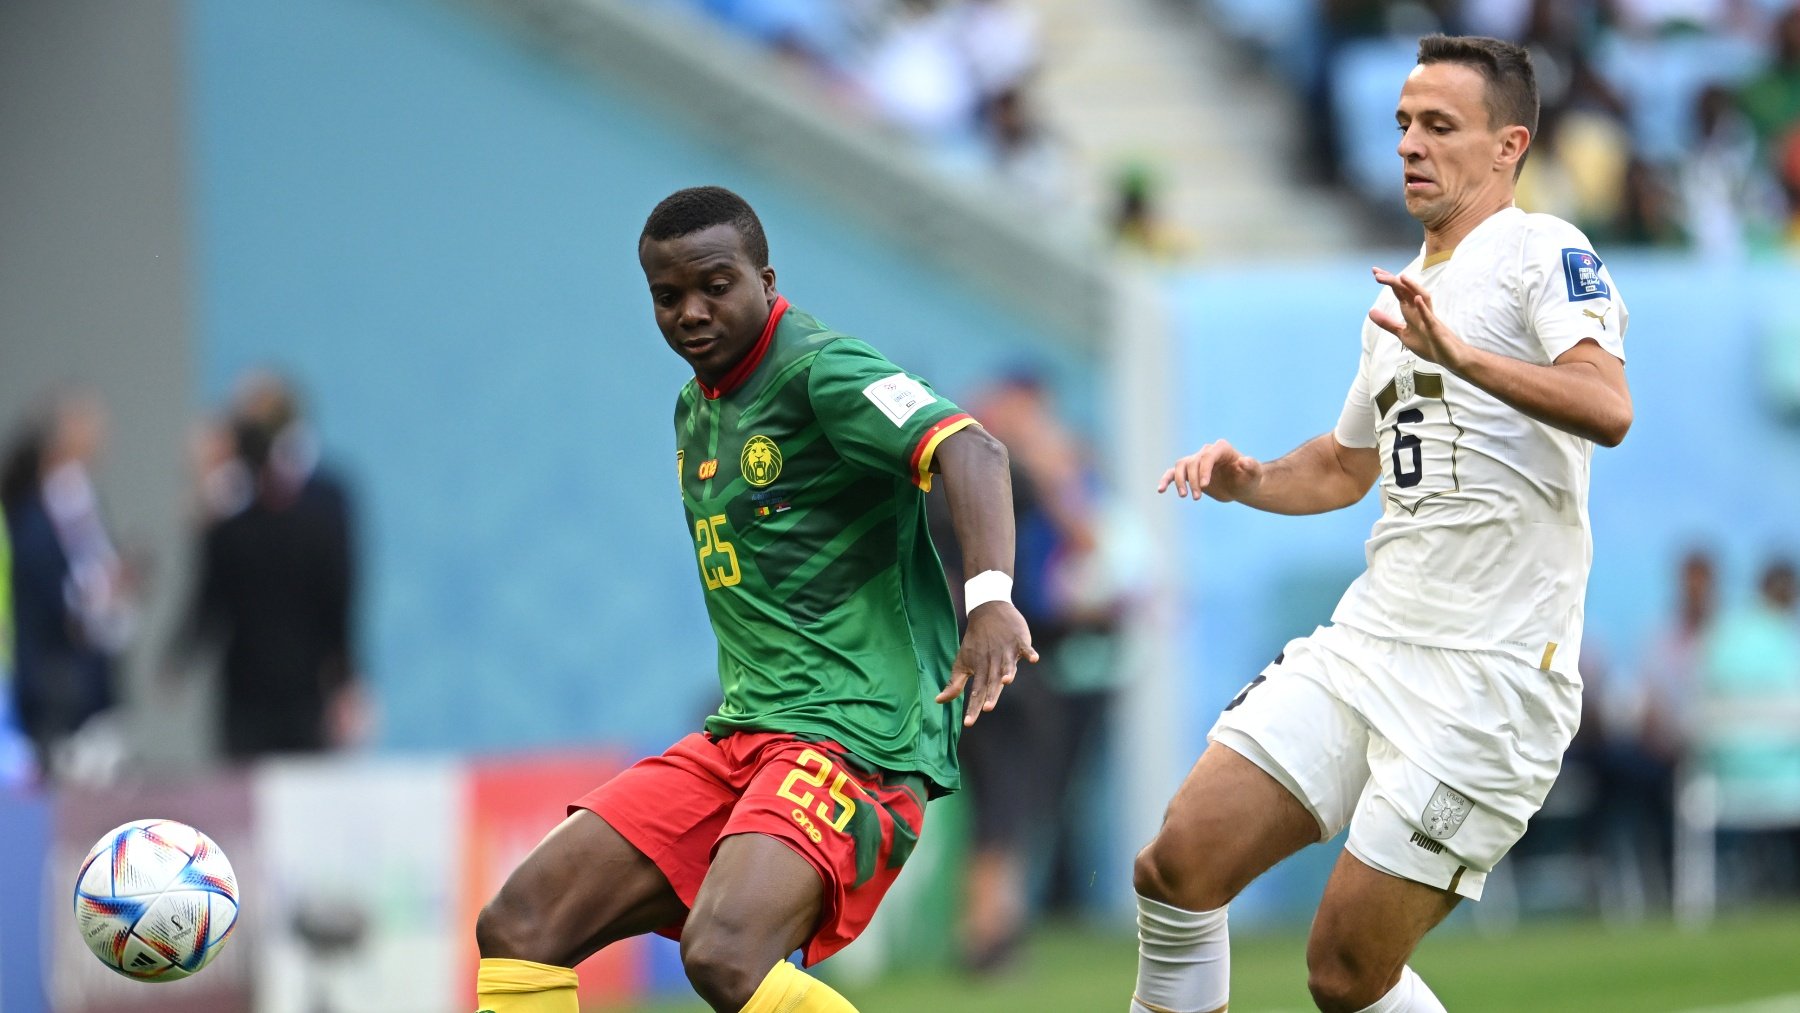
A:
[433, 229]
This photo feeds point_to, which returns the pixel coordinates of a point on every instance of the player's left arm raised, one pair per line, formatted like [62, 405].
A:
[979, 487]
[1582, 391]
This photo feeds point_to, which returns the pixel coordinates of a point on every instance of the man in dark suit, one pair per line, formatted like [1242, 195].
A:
[276, 584]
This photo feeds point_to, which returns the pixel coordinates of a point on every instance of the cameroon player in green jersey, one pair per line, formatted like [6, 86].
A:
[803, 456]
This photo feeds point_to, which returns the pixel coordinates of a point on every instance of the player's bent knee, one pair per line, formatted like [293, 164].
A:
[1147, 875]
[1162, 873]
[1332, 994]
[501, 932]
[510, 930]
[1340, 984]
[495, 931]
[721, 968]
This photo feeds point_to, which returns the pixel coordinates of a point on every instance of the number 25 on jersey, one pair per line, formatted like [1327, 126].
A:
[718, 559]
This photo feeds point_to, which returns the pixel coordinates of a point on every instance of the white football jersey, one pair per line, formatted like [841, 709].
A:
[1483, 542]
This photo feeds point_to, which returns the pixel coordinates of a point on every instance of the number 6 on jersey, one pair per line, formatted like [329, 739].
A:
[1419, 437]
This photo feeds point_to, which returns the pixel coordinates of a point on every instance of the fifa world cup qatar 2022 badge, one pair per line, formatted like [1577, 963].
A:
[1581, 272]
[1445, 812]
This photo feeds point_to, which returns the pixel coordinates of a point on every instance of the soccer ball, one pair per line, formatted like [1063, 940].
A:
[155, 900]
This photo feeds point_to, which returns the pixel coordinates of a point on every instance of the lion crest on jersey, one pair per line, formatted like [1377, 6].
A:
[761, 461]
[1445, 813]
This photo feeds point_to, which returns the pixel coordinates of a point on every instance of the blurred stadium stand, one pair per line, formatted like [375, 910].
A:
[1625, 88]
[425, 211]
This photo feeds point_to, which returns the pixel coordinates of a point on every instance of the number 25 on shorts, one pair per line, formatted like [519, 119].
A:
[816, 778]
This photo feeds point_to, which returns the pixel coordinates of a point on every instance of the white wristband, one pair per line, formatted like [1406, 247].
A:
[984, 587]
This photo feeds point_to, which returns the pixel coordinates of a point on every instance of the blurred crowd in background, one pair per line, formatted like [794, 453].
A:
[1721, 174]
[954, 75]
[1703, 738]
[271, 609]
[1664, 122]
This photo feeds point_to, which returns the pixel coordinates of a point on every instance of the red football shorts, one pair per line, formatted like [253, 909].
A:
[854, 827]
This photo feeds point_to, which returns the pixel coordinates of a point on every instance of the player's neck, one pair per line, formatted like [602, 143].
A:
[1456, 226]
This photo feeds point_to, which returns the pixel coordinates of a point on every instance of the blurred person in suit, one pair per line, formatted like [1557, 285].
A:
[71, 593]
[276, 580]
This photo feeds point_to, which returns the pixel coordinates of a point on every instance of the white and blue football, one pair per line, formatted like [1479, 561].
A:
[155, 900]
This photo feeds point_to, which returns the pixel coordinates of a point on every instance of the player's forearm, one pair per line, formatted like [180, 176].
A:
[1571, 396]
[1313, 478]
[979, 487]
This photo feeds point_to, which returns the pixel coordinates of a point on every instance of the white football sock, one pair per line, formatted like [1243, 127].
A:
[1184, 960]
[1410, 996]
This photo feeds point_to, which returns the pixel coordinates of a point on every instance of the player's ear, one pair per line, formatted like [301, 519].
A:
[767, 274]
[1514, 142]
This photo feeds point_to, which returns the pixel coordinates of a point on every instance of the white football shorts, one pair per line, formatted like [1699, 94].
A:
[1436, 759]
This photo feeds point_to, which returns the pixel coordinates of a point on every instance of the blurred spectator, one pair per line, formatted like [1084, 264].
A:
[1724, 188]
[1771, 99]
[1138, 223]
[1669, 684]
[1660, 721]
[1577, 168]
[71, 592]
[1751, 688]
[1648, 216]
[1029, 160]
[1790, 187]
[1019, 770]
[15, 750]
[1771, 102]
[276, 581]
[1000, 38]
[919, 77]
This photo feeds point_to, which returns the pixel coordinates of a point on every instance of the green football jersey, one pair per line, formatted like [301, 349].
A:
[804, 477]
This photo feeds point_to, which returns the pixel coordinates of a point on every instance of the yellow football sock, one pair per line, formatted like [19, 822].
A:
[787, 989]
[520, 986]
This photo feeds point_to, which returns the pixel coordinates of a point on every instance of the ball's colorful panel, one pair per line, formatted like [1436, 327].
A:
[223, 920]
[144, 863]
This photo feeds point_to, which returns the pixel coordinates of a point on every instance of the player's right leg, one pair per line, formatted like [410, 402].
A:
[1285, 766]
[584, 886]
[1229, 823]
[593, 881]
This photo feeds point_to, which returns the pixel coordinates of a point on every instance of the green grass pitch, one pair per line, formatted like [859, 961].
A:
[1744, 964]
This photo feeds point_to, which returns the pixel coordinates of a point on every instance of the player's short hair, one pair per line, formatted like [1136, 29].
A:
[686, 212]
[1512, 92]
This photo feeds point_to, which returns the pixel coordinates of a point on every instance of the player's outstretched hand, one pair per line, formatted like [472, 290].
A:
[1418, 328]
[1217, 470]
[988, 660]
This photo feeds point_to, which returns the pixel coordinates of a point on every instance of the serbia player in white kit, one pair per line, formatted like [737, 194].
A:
[1431, 716]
